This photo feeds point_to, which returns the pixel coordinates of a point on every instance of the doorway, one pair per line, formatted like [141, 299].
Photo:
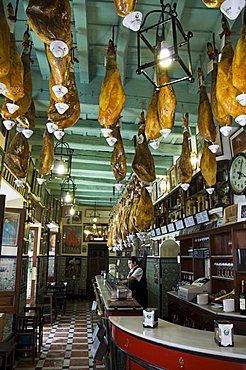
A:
[97, 261]
[32, 265]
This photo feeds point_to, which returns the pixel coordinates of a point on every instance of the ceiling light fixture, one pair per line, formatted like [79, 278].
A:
[68, 188]
[62, 160]
[164, 50]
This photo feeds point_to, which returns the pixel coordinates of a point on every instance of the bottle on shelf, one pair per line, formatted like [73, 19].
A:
[242, 299]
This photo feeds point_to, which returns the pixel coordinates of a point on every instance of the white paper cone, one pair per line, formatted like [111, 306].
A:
[61, 107]
[210, 190]
[27, 133]
[133, 21]
[51, 127]
[59, 91]
[111, 141]
[154, 144]
[185, 187]
[59, 134]
[18, 182]
[241, 120]
[241, 99]
[12, 108]
[225, 130]
[106, 132]
[20, 128]
[214, 148]
[165, 132]
[119, 186]
[2, 88]
[8, 124]
[59, 48]
[232, 8]
[40, 180]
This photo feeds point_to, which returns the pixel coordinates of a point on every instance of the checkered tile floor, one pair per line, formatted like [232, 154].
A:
[67, 342]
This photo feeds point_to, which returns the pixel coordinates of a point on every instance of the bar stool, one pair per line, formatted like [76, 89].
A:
[26, 333]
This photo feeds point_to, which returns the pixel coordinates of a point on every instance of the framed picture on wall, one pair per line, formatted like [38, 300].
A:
[71, 239]
[11, 222]
[73, 267]
[238, 141]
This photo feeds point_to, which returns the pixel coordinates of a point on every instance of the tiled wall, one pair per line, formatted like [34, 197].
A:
[162, 275]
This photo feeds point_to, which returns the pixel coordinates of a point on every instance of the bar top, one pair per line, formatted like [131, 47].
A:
[113, 304]
[181, 338]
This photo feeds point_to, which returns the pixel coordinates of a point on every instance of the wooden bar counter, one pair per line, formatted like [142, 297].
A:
[170, 347]
[113, 306]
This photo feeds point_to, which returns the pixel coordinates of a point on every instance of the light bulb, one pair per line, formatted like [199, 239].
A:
[94, 226]
[94, 219]
[60, 169]
[72, 211]
[165, 54]
[68, 198]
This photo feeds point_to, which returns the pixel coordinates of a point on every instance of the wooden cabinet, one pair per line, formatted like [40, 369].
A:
[217, 253]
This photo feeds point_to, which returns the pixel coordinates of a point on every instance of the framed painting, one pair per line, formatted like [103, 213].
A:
[71, 240]
[73, 267]
[238, 141]
[11, 222]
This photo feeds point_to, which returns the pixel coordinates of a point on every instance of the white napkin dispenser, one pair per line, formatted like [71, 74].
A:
[223, 333]
[150, 318]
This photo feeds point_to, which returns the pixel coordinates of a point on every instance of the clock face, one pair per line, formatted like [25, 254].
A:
[237, 174]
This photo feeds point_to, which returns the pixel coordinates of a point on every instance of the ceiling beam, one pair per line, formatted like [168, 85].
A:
[80, 17]
[122, 50]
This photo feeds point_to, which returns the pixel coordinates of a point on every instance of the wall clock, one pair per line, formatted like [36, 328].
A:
[237, 174]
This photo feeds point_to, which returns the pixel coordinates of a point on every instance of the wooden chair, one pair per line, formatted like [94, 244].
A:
[26, 333]
[47, 306]
[7, 354]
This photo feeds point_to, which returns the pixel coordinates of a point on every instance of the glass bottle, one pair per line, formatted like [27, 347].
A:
[242, 299]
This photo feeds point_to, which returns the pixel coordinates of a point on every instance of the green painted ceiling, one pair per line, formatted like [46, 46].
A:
[92, 28]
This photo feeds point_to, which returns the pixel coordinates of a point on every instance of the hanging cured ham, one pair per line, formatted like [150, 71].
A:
[60, 71]
[152, 125]
[219, 113]
[28, 119]
[239, 61]
[132, 226]
[25, 101]
[206, 124]
[4, 43]
[213, 3]
[185, 167]
[112, 95]
[118, 159]
[144, 213]
[14, 79]
[124, 7]
[47, 154]
[143, 162]
[225, 91]
[50, 20]
[17, 156]
[166, 102]
[208, 165]
[71, 115]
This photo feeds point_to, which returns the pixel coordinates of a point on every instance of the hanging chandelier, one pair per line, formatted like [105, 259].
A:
[62, 160]
[68, 188]
[161, 39]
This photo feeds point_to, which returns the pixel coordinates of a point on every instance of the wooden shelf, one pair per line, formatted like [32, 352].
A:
[222, 278]
[187, 272]
[185, 256]
[219, 256]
